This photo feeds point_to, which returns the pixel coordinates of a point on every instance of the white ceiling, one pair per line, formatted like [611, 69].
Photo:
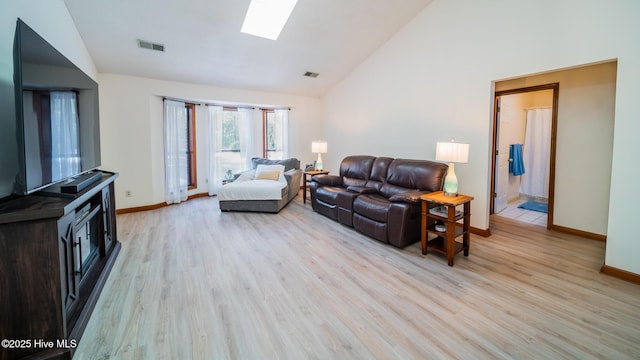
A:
[204, 45]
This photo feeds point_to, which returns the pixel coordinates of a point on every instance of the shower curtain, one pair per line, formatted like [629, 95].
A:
[536, 154]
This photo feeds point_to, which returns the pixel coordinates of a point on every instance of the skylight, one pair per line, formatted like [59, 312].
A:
[266, 18]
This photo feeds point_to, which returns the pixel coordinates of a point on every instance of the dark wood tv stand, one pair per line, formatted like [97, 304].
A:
[56, 253]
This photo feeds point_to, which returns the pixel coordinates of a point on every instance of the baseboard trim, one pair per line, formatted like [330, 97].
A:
[481, 232]
[155, 206]
[198, 195]
[620, 274]
[140, 208]
[586, 234]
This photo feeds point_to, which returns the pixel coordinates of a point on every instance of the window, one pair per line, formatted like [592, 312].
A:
[274, 134]
[235, 138]
[230, 141]
[229, 158]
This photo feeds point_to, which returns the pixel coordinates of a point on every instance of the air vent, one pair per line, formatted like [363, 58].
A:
[311, 74]
[149, 45]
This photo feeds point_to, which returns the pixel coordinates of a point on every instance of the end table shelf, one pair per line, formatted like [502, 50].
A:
[456, 222]
[438, 244]
[459, 230]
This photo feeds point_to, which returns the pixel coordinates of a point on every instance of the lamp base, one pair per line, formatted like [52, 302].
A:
[319, 165]
[451, 182]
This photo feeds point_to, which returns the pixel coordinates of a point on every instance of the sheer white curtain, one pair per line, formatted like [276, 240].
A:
[246, 128]
[216, 115]
[65, 147]
[282, 116]
[175, 151]
[536, 153]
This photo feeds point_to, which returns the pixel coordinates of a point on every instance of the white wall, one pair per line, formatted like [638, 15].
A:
[51, 20]
[433, 80]
[131, 124]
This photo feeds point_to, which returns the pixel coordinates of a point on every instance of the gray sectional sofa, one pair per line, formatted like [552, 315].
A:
[293, 176]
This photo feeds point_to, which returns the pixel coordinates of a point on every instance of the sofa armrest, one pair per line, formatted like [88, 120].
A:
[294, 179]
[362, 189]
[292, 176]
[411, 196]
[330, 180]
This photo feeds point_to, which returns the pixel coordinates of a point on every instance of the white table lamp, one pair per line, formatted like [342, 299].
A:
[319, 147]
[452, 152]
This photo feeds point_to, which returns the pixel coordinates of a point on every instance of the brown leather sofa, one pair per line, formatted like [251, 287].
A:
[378, 196]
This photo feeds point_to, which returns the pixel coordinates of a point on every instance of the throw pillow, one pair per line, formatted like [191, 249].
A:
[278, 169]
[268, 175]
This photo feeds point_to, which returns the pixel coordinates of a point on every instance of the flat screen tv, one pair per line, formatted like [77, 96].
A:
[56, 114]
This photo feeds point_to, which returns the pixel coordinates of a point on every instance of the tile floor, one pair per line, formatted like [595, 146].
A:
[532, 217]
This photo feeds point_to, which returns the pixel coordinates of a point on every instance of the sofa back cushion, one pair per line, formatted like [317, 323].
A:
[289, 164]
[355, 170]
[405, 174]
[379, 172]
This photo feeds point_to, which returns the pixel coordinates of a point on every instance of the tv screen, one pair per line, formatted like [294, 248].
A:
[57, 114]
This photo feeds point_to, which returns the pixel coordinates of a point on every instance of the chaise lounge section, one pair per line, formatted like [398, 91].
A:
[378, 196]
[248, 193]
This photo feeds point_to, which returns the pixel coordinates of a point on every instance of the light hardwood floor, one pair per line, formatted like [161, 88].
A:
[194, 283]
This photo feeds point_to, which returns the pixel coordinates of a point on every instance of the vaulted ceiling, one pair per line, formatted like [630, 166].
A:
[204, 45]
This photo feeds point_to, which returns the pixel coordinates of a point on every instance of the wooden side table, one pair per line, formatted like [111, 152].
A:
[307, 179]
[444, 241]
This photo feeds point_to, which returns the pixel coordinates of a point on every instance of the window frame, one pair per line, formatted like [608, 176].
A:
[265, 141]
[191, 146]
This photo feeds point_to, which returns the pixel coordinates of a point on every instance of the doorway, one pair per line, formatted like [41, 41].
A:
[524, 146]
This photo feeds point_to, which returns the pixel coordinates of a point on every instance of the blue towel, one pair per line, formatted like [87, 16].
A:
[516, 163]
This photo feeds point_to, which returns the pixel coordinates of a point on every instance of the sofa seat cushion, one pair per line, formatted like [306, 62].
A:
[373, 206]
[329, 194]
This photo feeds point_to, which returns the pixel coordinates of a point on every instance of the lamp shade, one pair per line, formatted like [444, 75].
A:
[452, 152]
[319, 147]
